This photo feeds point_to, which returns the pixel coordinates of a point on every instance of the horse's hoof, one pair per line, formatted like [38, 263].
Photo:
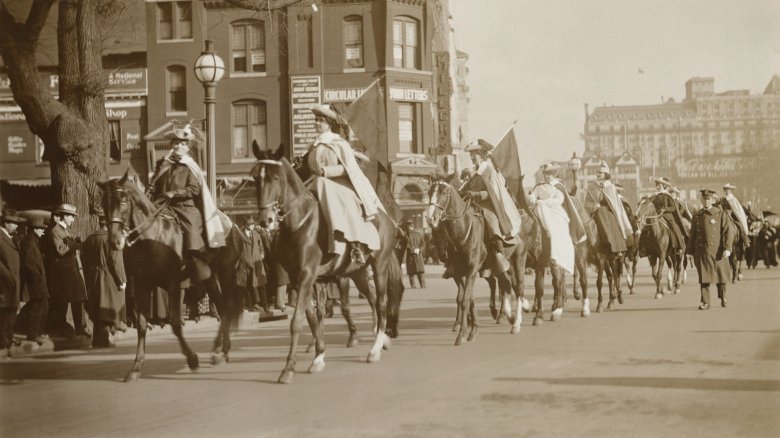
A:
[599, 308]
[515, 330]
[556, 314]
[538, 320]
[739, 277]
[374, 357]
[286, 377]
[534, 309]
[577, 295]
[631, 291]
[309, 347]
[473, 334]
[193, 362]
[458, 340]
[217, 359]
[526, 305]
[676, 290]
[353, 341]
[133, 376]
[610, 305]
[501, 319]
[386, 343]
[456, 327]
[494, 312]
[658, 295]
[317, 365]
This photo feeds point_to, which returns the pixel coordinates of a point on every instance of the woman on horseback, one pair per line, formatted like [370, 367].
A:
[347, 199]
[179, 181]
[610, 216]
[487, 188]
[667, 207]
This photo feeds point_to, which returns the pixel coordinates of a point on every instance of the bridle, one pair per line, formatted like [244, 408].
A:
[651, 220]
[278, 206]
[122, 222]
[443, 215]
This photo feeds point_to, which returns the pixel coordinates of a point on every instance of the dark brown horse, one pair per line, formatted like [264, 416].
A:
[151, 244]
[655, 242]
[461, 226]
[287, 203]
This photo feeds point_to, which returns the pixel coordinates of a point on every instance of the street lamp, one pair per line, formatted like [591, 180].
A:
[209, 69]
[574, 165]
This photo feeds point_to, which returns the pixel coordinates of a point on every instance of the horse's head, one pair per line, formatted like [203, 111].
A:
[117, 207]
[440, 197]
[269, 175]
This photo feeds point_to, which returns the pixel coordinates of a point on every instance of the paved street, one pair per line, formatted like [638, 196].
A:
[649, 368]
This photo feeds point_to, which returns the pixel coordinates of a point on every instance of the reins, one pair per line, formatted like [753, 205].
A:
[281, 208]
[139, 229]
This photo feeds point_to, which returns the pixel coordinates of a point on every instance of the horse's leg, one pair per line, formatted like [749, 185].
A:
[576, 276]
[494, 311]
[677, 258]
[634, 261]
[600, 268]
[463, 309]
[381, 281]
[174, 301]
[229, 305]
[459, 321]
[302, 298]
[538, 296]
[522, 305]
[142, 300]
[581, 269]
[472, 307]
[559, 291]
[314, 316]
[612, 279]
[346, 311]
[505, 292]
[657, 265]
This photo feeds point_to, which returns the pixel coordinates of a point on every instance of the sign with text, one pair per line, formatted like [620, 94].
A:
[343, 95]
[409, 94]
[304, 94]
[443, 92]
[121, 81]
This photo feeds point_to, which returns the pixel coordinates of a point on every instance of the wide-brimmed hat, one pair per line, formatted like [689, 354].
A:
[675, 190]
[37, 222]
[249, 220]
[729, 186]
[551, 167]
[12, 217]
[604, 168]
[66, 209]
[481, 145]
[664, 181]
[327, 112]
[184, 133]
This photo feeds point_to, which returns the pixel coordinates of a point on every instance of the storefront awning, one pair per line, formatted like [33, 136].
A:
[38, 182]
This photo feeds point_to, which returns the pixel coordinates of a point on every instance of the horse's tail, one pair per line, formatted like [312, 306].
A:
[395, 293]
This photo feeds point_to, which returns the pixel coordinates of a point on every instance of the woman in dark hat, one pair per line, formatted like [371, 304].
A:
[347, 198]
[666, 206]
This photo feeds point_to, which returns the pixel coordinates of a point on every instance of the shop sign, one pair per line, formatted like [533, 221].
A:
[344, 95]
[304, 94]
[127, 81]
[409, 94]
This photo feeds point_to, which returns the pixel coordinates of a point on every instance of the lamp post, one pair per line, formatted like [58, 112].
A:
[209, 69]
[575, 163]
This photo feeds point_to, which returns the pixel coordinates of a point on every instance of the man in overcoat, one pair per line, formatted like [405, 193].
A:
[251, 274]
[104, 271]
[710, 244]
[10, 281]
[414, 260]
[64, 272]
[34, 287]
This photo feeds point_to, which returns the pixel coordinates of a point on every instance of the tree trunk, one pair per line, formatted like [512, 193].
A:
[74, 130]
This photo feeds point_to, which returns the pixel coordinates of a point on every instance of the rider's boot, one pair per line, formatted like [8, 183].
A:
[501, 264]
[198, 268]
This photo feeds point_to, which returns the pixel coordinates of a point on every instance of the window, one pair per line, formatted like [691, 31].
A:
[248, 47]
[177, 89]
[249, 124]
[353, 42]
[407, 132]
[405, 43]
[115, 142]
[174, 20]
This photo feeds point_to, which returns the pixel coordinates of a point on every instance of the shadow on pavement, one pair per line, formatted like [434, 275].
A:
[703, 384]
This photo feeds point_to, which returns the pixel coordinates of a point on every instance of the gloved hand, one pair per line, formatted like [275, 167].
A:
[416, 251]
[169, 195]
[726, 254]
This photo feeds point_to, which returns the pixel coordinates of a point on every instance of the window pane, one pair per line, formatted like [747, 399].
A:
[239, 142]
[257, 36]
[353, 42]
[177, 88]
[258, 61]
[259, 115]
[410, 57]
[239, 61]
[165, 21]
[239, 115]
[115, 141]
[411, 34]
[239, 37]
[397, 29]
[185, 19]
[398, 56]
[258, 135]
[406, 128]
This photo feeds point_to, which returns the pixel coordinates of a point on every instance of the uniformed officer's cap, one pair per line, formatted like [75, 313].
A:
[707, 193]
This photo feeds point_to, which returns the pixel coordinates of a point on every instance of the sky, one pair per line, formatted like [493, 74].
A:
[539, 61]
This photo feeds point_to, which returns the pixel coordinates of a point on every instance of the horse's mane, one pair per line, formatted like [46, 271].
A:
[139, 198]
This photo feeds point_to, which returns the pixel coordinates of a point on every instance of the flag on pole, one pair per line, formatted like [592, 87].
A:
[506, 158]
[366, 116]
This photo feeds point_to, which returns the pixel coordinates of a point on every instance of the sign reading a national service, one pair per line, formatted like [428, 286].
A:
[304, 94]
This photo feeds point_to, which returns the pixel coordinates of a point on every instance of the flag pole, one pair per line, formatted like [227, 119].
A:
[511, 127]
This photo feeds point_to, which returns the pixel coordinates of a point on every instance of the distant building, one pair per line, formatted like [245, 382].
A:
[705, 140]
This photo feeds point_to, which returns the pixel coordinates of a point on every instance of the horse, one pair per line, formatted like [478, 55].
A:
[655, 241]
[461, 226]
[151, 245]
[287, 203]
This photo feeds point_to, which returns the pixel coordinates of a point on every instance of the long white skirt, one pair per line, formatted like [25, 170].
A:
[343, 212]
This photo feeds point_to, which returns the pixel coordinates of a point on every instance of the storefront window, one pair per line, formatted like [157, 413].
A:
[115, 142]
[407, 129]
[249, 124]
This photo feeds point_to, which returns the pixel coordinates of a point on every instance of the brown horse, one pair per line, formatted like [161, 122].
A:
[655, 241]
[287, 203]
[460, 224]
[151, 245]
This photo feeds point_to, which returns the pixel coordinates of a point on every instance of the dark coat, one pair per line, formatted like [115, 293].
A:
[63, 266]
[711, 234]
[251, 272]
[414, 262]
[667, 207]
[34, 284]
[104, 271]
[179, 180]
[492, 226]
[10, 281]
[276, 275]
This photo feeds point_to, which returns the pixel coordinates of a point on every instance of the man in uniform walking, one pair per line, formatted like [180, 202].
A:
[710, 245]
[414, 260]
